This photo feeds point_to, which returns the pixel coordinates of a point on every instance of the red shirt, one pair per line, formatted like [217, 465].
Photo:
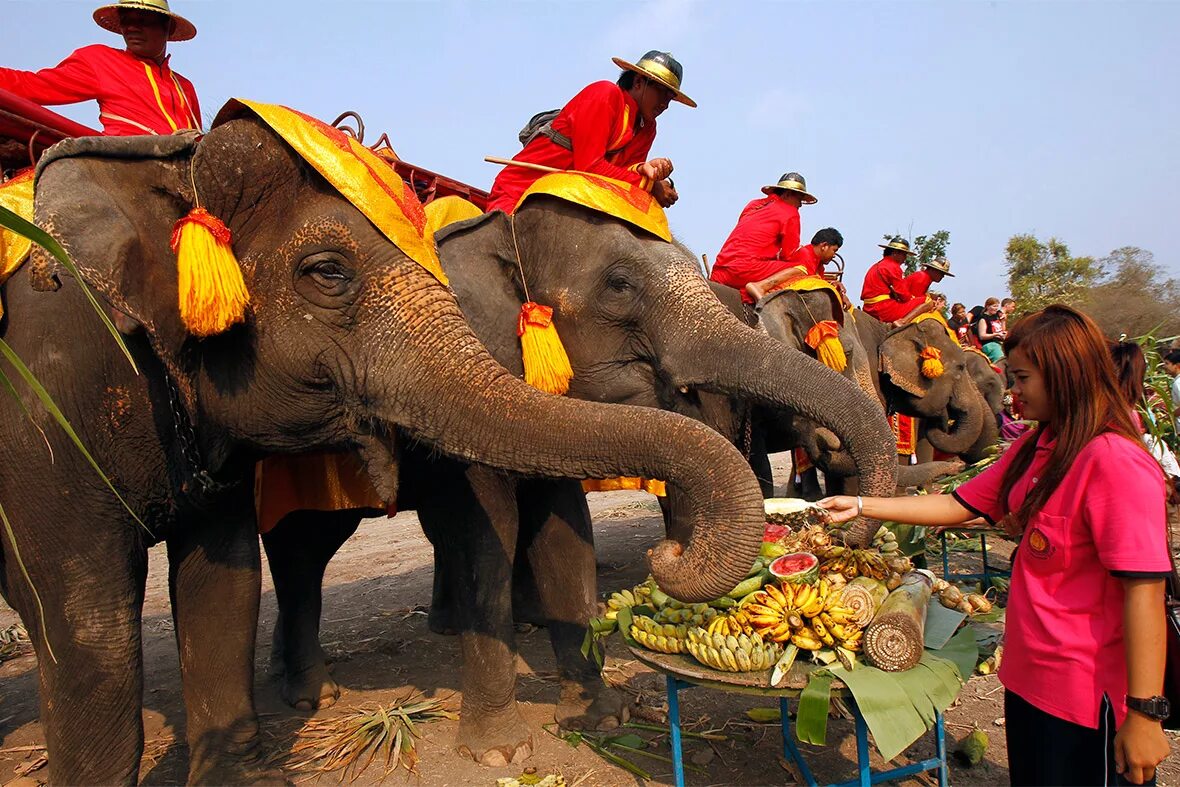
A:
[1063, 632]
[804, 257]
[766, 235]
[917, 284]
[885, 279]
[134, 96]
[600, 119]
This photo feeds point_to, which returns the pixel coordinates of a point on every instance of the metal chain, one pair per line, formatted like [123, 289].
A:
[186, 436]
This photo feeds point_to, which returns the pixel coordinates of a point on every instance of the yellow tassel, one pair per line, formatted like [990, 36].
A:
[824, 338]
[931, 362]
[213, 295]
[546, 366]
[649, 485]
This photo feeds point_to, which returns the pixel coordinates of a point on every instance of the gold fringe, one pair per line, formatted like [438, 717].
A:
[824, 338]
[649, 485]
[212, 292]
[546, 365]
[931, 362]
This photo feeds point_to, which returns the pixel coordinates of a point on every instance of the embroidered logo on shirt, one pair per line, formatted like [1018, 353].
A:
[1039, 545]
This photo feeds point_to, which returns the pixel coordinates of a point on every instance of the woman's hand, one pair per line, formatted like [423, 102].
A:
[656, 169]
[1139, 746]
[841, 508]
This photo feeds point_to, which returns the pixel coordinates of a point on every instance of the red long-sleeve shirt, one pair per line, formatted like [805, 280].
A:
[598, 120]
[134, 96]
[886, 279]
[766, 235]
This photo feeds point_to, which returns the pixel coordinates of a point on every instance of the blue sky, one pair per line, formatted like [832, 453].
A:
[985, 119]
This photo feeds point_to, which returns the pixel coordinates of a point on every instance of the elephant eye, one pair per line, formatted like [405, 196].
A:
[327, 269]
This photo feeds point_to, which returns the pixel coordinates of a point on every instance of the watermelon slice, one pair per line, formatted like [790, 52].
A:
[774, 533]
[796, 568]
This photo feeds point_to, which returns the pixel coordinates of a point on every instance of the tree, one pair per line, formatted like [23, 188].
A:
[1134, 297]
[926, 248]
[1043, 273]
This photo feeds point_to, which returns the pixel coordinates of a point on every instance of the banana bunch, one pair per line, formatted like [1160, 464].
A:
[691, 614]
[885, 541]
[853, 563]
[732, 653]
[735, 622]
[629, 597]
[660, 637]
[807, 616]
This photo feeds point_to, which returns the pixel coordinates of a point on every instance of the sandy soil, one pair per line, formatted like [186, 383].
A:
[374, 628]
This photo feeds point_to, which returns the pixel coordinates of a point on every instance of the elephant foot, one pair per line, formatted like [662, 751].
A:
[310, 689]
[233, 756]
[590, 706]
[241, 774]
[444, 619]
[496, 740]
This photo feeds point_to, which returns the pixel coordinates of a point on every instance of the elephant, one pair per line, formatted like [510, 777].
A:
[887, 363]
[348, 344]
[641, 327]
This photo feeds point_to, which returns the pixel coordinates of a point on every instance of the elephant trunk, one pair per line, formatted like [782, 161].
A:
[445, 388]
[730, 358]
[988, 435]
[967, 408]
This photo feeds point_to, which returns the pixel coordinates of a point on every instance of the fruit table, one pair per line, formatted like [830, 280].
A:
[682, 671]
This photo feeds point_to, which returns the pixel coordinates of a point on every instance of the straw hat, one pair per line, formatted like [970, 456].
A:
[941, 264]
[107, 17]
[898, 244]
[661, 67]
[792, 181]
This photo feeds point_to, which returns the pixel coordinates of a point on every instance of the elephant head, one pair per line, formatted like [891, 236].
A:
[991, 385]
[641, 325]
[348, 341]
[924, 375]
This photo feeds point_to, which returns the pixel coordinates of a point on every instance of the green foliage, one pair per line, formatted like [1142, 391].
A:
[926, 247]
[1156, 408]
[1043, 273]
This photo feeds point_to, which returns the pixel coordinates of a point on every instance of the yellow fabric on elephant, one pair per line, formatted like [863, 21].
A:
[606, 195]
[649, 485]
[16, 195]
[937, 315]
[325, 481]
[447, 210]
[815, 284]
[360, 175]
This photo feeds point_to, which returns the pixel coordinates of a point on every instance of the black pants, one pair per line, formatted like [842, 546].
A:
[1046, 750]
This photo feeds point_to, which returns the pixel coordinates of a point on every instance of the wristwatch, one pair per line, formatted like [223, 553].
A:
[1157, 708]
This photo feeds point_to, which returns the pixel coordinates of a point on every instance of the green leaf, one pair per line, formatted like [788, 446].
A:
[51, 406]
[24, 571]
[764, 715]
[886, 707]
[811, 721]
[962, 651]
[625, 620]
[14, 222]
[630, 740]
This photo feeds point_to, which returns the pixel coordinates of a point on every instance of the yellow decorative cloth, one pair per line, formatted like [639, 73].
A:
[448, 210]
[317, 482]
[817, 283]
[360, 175]
[937, 315]
[16, 195]
[649, 485]
[606, 195]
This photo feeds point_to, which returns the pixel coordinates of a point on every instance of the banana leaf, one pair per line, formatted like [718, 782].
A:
[886, 706]
[811, 720]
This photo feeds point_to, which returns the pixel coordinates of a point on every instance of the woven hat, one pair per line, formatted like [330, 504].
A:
[661, 67]
[941, 264]
[792, 181]
[107, 17]
[898, 244]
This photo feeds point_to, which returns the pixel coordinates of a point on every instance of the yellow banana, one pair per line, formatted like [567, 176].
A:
[776, 594]
[743, 660]
[805, 643]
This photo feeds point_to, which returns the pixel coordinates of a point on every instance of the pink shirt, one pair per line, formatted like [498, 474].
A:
[1063, 635]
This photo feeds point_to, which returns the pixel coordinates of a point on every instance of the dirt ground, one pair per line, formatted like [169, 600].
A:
[377, 591]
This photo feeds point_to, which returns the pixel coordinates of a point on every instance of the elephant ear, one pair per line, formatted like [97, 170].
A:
[900, 359]
[112, 204]
[479, 258]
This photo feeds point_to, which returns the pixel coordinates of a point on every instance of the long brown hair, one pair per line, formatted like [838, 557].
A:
[1130, 368]
[1071, 354]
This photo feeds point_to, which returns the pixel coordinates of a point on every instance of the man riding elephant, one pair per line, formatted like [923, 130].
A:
[136, 89]
[606, 129]
[888, 294]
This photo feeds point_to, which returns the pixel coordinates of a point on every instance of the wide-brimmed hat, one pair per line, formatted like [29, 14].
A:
[107, 17]
[661, 67]
[941, 264]
[898, 244]
[792, 181]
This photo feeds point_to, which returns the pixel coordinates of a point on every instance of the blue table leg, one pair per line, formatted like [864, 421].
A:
[862, 747]
[791, 752]
[674, 726]
[940, 750]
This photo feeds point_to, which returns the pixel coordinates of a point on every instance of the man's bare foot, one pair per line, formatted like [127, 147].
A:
[755, 291]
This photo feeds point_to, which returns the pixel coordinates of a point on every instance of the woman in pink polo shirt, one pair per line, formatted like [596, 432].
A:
[1084, 638]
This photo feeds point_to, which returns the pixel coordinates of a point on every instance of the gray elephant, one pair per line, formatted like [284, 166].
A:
[641, 326]
[348, 344]
[956, 419]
